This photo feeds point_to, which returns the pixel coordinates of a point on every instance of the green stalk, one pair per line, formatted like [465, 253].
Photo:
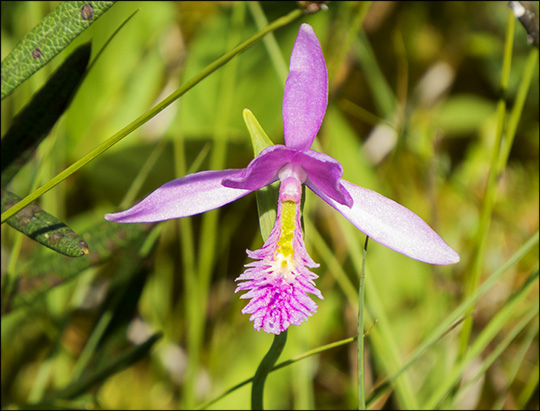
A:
[111, 141]
[272, 47]
[515, 114]
[286, 363]
[473, 280]
[360, 355]
[264, 369]
[450, 321]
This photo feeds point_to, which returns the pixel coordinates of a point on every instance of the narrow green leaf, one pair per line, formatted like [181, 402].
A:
[44, 228]
[52, 35]
[115, 365]
[481, 342]
[37, 118]
[450, 321]
[267, 197]
[43, 274]
[381, 91]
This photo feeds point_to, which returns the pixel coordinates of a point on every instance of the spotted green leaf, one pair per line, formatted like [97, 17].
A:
[52, 35]
[44, 228]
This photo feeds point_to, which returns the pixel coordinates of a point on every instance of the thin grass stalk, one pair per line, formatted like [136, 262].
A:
[139, 121]
[360, 353]
[515, 114]
[352, 30]
[529, 390]
[500, 348]
[516, 364]
[472, 281]
[190, 298]
[480, 344]
[458, 312]
[270, 43]
[383, 339]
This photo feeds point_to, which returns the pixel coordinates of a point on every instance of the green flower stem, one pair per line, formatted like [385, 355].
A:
[111, 141]
[264, 369]
[360, 354]
[286, 363]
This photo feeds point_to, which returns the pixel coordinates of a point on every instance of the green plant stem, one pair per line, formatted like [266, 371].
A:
[264, 369]
[360, 358]
[282, 21]
[286, 363]
[473, 280]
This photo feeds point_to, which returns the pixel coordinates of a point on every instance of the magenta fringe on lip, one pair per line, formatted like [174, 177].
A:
[277, 284]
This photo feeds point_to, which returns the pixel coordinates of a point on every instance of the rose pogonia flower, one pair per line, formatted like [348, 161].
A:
[278, 282]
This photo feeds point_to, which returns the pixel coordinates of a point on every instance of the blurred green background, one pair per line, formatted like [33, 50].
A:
[412, 115]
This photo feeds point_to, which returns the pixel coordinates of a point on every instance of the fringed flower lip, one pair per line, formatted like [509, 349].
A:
[304, 106]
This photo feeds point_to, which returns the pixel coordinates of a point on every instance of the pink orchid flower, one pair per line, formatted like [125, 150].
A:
[278, 282]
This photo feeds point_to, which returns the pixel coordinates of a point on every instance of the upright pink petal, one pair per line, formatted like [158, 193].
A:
[306, 91]
[393, 225]
[182, 197]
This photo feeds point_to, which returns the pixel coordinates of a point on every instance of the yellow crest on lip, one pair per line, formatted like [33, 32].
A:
[288, 225]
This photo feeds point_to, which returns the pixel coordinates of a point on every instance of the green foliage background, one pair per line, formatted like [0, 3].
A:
[413, 114]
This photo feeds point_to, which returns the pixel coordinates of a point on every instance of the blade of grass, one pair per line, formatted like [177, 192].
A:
[382, 93]
[383, 341]
[274, 52]
[280, 22]
[130, 265]
[515, 114]
[461, 310]
[351, 28]
[529, 390]
[484, 338]
[472, 280]
[516, 364]
[360, 352]
[499, 349]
